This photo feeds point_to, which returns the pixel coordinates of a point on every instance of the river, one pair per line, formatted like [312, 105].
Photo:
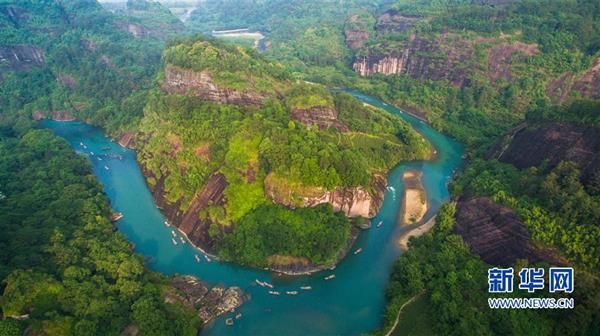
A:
[351, 304]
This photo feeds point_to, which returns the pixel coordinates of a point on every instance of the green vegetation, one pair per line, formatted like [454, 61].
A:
[455, 282]
[231, 66]
[94, 68]
[415, 319]
[186, 140]
[61, 262]
[300, 33]
[552, 203]
[274, 230]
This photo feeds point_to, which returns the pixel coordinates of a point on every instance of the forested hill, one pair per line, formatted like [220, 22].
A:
[64, 269]
[229, 135]
[74, 59]
[474, 69]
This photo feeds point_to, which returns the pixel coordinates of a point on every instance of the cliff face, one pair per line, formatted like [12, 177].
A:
[496, 233]
[136, 30]
[188, 222]
[442, 58]
[210, 303]
[353, 202]
[450, 56]
[586, 84]
[201, 84]
[554, 143]
[20, 57]
[501, 55]
[356, 38]
[321, 116]
[393, 20]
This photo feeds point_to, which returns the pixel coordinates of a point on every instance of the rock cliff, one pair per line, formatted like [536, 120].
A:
[188, 222]
[586, 84]
[20, 57]
[553, 143]
[497, 234]
[321, 116]
[135, 29]
[446, 57]
[201, 84]
[449, 55]
[209, 302]
[393, 20]
[353, 202]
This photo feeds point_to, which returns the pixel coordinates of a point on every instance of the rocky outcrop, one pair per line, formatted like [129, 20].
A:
[586, 84]
[135, 29]
[209, 302]
[188, 222]
[553, 143]
[394, 20]
[496, 234]
[502, 55]
[321, 116]
[20, 57]
[89, 44]
[62, 116]
[446, 57]
[126, 140]
[355, 38]
[55, 115]
[201, 84]
[16, 15]
[354, 202]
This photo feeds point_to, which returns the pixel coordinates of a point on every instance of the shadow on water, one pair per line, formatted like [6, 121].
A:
[352, 303]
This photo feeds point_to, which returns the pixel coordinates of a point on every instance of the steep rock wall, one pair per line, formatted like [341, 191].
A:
[201, 84]
[354, 202]
[443, 58]
[586, 84]
[321, 116]
[497, 234]
[20, 57]
[555, 142]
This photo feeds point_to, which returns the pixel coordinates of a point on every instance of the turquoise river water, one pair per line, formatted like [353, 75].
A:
[351, 304]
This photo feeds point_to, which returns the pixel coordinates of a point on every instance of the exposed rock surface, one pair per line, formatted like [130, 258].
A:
[188, 222]
[201, 84]
[56, 115]
[555, 142]
[496, 233]
[355, 35]
[209, 302]
[356, 38]
[394, 20]
[353, 202]
[501, 56]
[136, 30]
[586, 84]
[446, 57]
[126, 139]
[321, 116]
[20, 57]
[16, 15]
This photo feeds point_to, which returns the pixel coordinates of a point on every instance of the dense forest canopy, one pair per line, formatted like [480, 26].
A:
[263, 148]
[61, 262]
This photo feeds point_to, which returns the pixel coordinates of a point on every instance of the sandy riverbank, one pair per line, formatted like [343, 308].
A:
[414, 203]
[416, 232]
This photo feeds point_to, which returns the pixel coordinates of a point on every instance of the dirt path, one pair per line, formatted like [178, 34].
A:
[412, 299]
